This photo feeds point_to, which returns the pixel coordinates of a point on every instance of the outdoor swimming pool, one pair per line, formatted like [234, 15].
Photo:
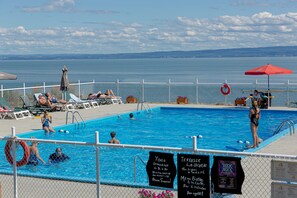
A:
[168, 127]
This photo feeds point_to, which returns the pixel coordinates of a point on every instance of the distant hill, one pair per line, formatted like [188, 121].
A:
[237, 52]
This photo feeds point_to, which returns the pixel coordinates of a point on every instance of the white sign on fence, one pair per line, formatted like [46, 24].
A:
[284, 170]
[283, 190]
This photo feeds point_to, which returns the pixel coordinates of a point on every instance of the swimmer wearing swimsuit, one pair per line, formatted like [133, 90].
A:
[255, 116]
[33, 160]
[46, 123]
[254, 120]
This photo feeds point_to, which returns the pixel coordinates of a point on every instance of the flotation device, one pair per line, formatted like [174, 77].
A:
[225, 89]
[26, 155]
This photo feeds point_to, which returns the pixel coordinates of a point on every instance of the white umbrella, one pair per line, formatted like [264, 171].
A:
[6, 76]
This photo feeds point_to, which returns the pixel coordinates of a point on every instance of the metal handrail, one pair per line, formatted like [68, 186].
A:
[74, 118]
[135, 160]
[291, 127]
[143, 106]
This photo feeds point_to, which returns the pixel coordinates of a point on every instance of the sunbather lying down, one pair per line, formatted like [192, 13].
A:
[53, 99]
[108, 94]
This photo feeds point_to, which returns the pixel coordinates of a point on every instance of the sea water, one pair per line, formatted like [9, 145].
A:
[209, 72]
[35, 72]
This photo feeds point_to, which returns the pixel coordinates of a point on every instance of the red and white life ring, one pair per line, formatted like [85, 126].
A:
[225, 89]
[26, 155]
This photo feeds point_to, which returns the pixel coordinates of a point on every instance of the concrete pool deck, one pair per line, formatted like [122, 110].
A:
[286, 145]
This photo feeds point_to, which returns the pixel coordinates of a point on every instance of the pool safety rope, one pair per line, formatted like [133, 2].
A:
[9, 157]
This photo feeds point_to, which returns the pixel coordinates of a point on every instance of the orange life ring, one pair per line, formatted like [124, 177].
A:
[225, 89]
[26, 155]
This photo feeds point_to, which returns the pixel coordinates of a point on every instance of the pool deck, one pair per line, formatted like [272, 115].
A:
[286, 145]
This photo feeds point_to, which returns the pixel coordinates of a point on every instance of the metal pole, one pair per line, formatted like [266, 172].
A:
[143, 90]
[288, 97]
[197, 101]
[118, 87]
[97, 164]
[169, 90]
[1, 91]
[43, 87]
[15, 188]
[268, 103]
[226, 95]
[24, 86]
[194, 138]
[79, 89]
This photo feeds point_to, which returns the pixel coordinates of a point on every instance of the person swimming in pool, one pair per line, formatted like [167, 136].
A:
[254, 122]
[46, 120]
[113, 139]
[58, 156]
[131, 115]
[34, 154]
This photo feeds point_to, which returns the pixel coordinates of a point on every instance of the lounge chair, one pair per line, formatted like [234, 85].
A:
[109, 98]
[28, 104]
[55, 107]
[7, 111]
[86, 104]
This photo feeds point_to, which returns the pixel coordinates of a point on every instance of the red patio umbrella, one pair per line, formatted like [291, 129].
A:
[268, 70]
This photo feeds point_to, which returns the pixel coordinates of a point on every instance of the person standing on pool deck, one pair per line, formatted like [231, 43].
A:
[113, 139]
[254, 118]
[46, 120]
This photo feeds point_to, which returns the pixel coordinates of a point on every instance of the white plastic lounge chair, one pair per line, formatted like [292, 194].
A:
[113, 100]
[7, 111]
[87, 104]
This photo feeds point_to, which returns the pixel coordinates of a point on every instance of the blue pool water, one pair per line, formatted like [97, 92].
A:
[163, 127]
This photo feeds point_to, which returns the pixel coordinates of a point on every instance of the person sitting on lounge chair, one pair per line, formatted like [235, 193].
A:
[53, 99]
[45, 102]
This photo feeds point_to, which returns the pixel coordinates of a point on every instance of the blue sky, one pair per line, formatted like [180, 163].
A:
[121, 26]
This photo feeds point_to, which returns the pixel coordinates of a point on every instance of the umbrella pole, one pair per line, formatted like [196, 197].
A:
[268, 98]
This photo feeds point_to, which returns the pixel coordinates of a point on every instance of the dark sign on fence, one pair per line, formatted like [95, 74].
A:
[227, 175]
[161, 169]
[193, 176]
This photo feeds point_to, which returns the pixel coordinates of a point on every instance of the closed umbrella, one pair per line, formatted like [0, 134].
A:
[268, 70]
[64, 81]
[6, 76]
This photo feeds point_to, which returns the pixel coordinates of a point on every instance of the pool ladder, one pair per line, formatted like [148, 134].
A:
[291, 127]
[135, 162]
[74, 118]
[145, 106]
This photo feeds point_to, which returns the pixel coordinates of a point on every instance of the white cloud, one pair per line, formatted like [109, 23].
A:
[190, 33]
[82, 33]
[21, 29]
[53, 5]
[183, 33]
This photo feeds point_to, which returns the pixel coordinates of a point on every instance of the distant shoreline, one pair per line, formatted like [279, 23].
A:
[281, 51]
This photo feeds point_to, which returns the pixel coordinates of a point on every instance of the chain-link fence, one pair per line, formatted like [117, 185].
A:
[110, 170]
